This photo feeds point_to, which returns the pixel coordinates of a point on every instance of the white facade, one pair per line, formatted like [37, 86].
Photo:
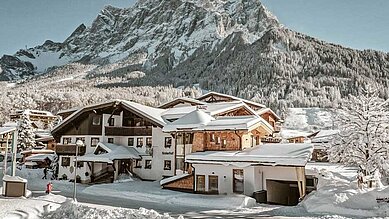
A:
[159, 154]
[254, 176]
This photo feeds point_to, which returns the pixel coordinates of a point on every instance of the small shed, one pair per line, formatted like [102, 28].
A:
[14, 186]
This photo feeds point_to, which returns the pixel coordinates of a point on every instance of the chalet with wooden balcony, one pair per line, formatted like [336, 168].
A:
[213, 144]
[117, 123]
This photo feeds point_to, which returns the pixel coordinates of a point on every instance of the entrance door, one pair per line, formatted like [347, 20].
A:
[213, 184]
[238, 181]
[200, 183]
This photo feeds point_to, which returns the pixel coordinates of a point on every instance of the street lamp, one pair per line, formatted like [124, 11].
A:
[79, 143]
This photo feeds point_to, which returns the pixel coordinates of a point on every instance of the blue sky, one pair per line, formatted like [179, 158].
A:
[358, 24]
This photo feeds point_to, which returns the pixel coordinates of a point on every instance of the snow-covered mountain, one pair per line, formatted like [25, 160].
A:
[231, 46]
[154, 34]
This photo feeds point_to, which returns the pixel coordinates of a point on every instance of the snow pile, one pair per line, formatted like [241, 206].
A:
[151, 192]
[70, 209]
[29, 208]
[337, 194]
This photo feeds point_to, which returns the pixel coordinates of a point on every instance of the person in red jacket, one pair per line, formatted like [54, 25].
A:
[49, 188]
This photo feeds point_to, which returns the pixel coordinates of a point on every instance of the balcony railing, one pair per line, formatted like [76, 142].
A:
[128, 131]
[271, 140]
[69, 149]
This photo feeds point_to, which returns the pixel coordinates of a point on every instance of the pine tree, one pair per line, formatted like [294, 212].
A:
[26, 136]
[363, 138]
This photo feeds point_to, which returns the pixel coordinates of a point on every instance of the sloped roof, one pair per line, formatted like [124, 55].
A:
[191, 120]
[233, 123]
[154, 114]
[265, 110]
[231, 97]
[181, 99]
[210, 108]
[266, 154]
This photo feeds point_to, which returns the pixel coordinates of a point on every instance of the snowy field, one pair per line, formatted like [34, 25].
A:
[307, 120]
[337, 197]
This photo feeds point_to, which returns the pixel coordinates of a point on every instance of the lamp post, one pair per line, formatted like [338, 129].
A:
[79, 143]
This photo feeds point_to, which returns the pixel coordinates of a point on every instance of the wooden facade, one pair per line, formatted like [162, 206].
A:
[182, 184]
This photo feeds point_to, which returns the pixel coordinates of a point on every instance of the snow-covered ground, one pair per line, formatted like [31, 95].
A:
[337, 197]
[152, 192]
[300, 121]
[339, 194]
[59, 207]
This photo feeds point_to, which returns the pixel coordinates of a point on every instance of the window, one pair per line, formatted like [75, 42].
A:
[224, 143]
[213, 184]
[96, 120]
[111, 121]
[147, 164]
[188, 138]
[110, 140]
[218, 140]
[65, 161]
[81, 138]
[80, 164]
[130, 141]
[168, 142]
[212, 137]
[238, 183]
[67, 140]
[200, 183]
[139, 142]
[94, 142]
[149, 142]
[138, 164]
[167, 165]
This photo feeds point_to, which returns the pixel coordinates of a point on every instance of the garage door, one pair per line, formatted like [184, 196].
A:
[282, 192]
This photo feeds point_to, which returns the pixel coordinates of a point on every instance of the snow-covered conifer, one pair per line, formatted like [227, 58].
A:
[26, 135]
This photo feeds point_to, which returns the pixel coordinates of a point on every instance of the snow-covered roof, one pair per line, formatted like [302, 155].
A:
[233, 123]
[231, 97]
[9, 178]
[38, 151]
[266, 154]
[324, 136]
[210, 108]
[114, 152]
[191, 120]
[265, 110]
[154, 114]
[68, 110]
[173, 178]
[34, 112]
[149, 112]
[40, 157]
[199, 120]
[181, 99]
[5, 130]
[10, 124]
[288, 133]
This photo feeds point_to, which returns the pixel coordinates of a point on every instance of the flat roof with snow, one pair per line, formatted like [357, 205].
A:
[290, 154]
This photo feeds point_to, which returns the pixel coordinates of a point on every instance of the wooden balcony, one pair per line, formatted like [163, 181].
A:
[128, 131]
[271, 140]
[69, 149]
